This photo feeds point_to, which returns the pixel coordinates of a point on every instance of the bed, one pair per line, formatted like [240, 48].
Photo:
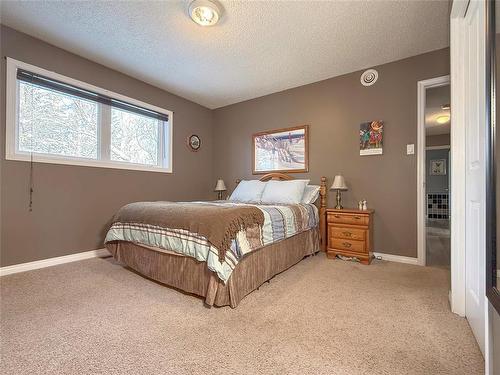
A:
[148, 239]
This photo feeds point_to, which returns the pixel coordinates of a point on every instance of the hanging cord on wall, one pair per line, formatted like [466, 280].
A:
[31, 181]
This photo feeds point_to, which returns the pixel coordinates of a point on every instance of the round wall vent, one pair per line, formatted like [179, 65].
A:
[369, 77]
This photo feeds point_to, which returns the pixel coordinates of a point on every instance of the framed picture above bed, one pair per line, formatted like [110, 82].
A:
[281, 150]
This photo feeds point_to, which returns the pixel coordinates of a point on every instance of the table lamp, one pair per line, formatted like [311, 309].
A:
[338, 184]
[219, 188]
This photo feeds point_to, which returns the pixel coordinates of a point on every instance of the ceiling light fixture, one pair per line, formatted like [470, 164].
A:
[443, 119]
[445, 107]
[204, 12]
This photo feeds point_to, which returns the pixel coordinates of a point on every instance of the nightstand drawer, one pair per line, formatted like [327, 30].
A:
[352, 219]
[342, 244]
[347, 233]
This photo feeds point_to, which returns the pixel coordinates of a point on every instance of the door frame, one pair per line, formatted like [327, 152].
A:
[457, 160]
[422, 86]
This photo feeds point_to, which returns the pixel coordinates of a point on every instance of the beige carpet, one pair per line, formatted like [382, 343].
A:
[320, 317]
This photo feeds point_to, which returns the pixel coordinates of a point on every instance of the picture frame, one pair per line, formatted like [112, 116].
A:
[371, 138]
[437, 167]
[283, 150]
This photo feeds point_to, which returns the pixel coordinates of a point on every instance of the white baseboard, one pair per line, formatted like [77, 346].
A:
[397, 258]
[99, 253]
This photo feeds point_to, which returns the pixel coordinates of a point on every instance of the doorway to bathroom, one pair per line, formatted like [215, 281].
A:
[437, 176]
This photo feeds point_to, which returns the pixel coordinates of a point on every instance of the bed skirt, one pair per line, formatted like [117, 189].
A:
[192, 276]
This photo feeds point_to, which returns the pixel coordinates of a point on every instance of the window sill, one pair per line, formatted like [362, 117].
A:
[86, 163]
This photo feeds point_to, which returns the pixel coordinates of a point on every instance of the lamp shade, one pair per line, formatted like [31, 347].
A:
[220, 186]
[338, 183]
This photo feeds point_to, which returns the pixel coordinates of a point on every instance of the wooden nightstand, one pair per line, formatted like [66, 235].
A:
[350, 233]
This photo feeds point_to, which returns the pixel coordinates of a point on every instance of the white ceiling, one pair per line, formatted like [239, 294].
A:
[435, 98]
[258, 48]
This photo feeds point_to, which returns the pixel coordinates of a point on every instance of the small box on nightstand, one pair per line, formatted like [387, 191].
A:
[350, 233]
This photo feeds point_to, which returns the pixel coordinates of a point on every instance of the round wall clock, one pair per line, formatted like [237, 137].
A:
[194, 142]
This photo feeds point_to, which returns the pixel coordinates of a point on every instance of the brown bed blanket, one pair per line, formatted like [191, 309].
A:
[218, 224]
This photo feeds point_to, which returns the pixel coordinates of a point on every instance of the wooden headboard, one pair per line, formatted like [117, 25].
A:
[276, 176]
[321, 203]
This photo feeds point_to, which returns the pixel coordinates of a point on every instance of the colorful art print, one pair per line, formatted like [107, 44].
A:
[438, 167]
[371, 136]
[281, 150]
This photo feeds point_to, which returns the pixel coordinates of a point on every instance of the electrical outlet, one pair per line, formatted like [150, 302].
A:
[410, 149]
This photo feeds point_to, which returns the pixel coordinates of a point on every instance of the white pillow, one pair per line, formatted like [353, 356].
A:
[284, 192]
[311, 194]
[248, 191]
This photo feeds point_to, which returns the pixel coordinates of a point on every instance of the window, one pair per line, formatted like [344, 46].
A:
[53, 123]
[55, 119]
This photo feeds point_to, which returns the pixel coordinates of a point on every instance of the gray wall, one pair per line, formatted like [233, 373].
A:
[80, 201]
[333, 109]
[72, 204]
[433, 183]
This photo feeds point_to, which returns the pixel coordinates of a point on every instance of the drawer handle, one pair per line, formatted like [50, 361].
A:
[336, 216]
[347, 234]
[357, 217]
[346, 244]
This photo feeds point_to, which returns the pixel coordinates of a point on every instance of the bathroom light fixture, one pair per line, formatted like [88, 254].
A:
[204, 12]
[443, 119]
[445, 107]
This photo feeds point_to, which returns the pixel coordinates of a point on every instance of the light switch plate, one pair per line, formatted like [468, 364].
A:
[410, 149]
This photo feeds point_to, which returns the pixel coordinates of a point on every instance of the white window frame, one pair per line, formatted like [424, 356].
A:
[103, 161]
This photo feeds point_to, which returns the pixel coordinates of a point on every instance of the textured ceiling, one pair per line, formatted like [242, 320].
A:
[435, 98]
[258, 48]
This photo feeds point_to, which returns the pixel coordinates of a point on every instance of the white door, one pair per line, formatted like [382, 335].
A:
[475, 186]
